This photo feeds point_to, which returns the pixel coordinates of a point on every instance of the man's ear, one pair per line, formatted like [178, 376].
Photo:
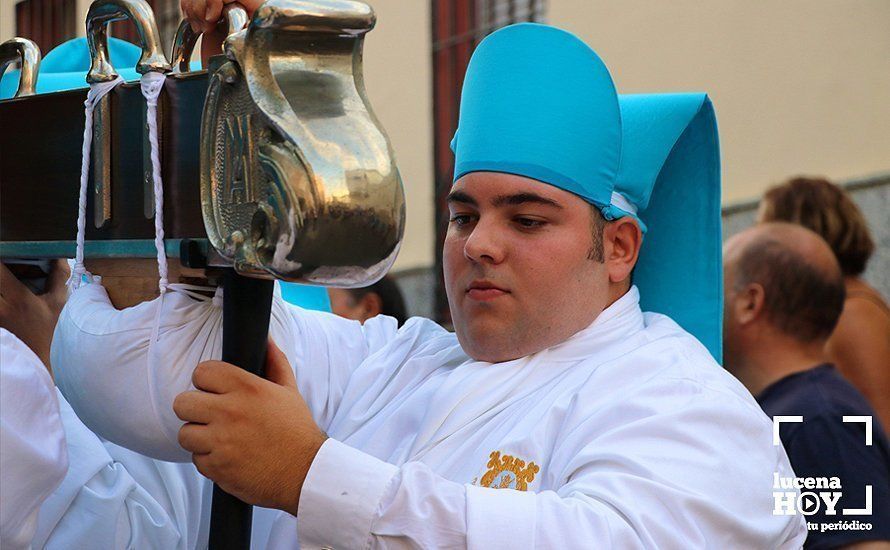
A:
[748, 303]
[622, 240]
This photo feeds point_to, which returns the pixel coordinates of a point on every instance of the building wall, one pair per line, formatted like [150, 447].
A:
[799, 86]
[398, 76]
[7, 19]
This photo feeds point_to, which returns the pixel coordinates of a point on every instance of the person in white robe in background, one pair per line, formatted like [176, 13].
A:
[33, 457]
[114, 498]
[558, 415]
[61, 486]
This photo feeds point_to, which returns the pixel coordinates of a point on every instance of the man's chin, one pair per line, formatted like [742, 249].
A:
[486, 338]
[486, 321]
[489, 354]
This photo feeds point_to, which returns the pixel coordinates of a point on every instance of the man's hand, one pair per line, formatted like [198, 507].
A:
[255, 438]
[203, 15]
[31, 317]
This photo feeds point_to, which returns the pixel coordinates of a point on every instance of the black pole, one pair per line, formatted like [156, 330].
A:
[247, 305]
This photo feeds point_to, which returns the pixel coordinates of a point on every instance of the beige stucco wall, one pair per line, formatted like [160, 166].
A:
[7, 19]
[800, 86]
[398, 77]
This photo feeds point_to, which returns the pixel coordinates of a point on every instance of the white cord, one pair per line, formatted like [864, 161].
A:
[97, 91]
[152, 83]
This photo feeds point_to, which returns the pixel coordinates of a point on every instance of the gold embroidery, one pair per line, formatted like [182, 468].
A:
[505, 482]
[503, 466]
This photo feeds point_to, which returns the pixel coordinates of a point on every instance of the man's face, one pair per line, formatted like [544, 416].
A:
[517, 267]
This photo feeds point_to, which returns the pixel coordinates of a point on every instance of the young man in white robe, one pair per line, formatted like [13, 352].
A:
[558, 415]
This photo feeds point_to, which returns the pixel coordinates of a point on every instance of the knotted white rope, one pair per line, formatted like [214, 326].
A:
[152, 83]
[97, 91]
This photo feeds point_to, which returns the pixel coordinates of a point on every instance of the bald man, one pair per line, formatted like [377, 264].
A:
[784, 293]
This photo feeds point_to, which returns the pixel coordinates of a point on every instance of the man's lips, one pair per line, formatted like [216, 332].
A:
[484, 291]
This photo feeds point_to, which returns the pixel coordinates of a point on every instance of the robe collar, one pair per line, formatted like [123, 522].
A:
[612, 329]
[609, 333]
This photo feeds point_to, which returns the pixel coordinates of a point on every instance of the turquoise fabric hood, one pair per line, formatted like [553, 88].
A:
[65, 67]
[538, 102]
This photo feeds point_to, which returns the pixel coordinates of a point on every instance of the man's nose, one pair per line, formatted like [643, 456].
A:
[485, 243]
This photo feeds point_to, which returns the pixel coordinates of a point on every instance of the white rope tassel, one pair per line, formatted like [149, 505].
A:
[152, 83]
[97, 91]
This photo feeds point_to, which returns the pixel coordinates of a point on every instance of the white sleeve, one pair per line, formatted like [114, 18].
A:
[648, 484]
[324, 351]
[100, 504]
[122, 384]
[33, 458]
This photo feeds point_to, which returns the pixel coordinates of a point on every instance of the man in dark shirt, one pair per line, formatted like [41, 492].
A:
[783, 295]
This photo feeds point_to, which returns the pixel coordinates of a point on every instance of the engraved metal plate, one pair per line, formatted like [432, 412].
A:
[298, 179]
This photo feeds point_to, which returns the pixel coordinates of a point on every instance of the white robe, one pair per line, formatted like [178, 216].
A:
[114, 498]
[33, 458]
[122, 385]
[626, 435]
[62, 488]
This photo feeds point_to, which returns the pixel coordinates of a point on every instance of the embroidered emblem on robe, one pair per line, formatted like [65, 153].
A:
[508, 472]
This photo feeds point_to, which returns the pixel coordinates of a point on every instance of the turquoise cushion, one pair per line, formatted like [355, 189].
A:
[65, 67]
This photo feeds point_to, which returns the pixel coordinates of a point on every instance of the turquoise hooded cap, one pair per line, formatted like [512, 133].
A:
[538, 102]
[65, 67]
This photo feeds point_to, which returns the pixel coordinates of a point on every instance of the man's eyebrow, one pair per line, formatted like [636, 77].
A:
[503, 200]
[522, 198]
[460, 196]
